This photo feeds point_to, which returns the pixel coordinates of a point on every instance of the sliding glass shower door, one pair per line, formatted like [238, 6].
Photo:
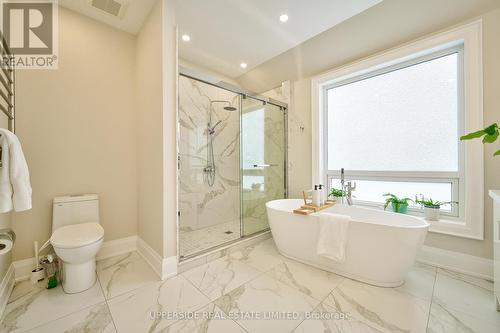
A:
[263, 149]
[231, 162]
[209, 166]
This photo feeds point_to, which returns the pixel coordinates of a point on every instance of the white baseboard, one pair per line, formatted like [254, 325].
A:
[169, 267]
[456, 261]
[111, 248]
[6, 286]
[116, 247]
[164, 267]
[23, 268]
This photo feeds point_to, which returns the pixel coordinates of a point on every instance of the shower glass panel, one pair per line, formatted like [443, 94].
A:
[263, 129]
[209, 166]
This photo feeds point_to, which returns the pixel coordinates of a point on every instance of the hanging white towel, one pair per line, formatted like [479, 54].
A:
[15, 187]
[332, 240]
[5, 185]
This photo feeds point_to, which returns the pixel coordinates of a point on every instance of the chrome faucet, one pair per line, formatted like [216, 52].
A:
[346, 189]
[342, 181]
[348, 192]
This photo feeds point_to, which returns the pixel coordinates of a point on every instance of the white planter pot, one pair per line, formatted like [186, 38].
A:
[431, 214]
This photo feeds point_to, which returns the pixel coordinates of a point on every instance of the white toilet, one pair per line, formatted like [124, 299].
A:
[76, 238]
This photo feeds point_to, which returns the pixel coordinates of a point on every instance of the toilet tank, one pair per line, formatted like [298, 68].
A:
[74, 209]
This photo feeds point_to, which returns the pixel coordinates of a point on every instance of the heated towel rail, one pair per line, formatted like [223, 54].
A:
[7, 86]
[7, 83]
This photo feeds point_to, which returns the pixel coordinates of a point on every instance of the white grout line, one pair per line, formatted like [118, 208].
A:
[107, 304]
[432, 298]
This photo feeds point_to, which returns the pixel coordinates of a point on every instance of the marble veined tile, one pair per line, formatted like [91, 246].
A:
[220, 276]
[136, 311]
[327, 319]
[386, 309]
[202, 205]
[311, 281]
[420, 281]
[32, 305]
[124, 273]
[211, 319]
[201, 239]
[95, 319]
[263, 256]
[266, 305]
[472, 280]
[463, 304]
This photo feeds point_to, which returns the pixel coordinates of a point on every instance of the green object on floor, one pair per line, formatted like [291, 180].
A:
[52, 282]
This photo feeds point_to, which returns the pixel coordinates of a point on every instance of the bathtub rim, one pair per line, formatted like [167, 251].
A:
[423, 223]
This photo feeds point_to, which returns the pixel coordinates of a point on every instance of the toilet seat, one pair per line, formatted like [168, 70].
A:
[77, 235]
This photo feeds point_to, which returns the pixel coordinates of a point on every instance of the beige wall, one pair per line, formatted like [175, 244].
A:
[77, 127]
[385, 25]
[170, 72]
[149, 87]
[367, 34]
[491, 82]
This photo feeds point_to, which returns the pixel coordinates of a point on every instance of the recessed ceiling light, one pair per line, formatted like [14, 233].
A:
[243, 65]
[186, 38]
[283, 17]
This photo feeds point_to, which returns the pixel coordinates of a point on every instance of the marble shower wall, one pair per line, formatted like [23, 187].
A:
[298, 137]
[200, 205]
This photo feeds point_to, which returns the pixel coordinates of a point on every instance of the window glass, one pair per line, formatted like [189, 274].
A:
[404, 120]
[373, 190]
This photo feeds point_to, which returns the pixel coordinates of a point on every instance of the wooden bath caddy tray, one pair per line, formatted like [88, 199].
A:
[309, 209]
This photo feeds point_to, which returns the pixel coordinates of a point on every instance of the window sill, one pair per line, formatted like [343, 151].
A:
[452, 228]
[445, 225]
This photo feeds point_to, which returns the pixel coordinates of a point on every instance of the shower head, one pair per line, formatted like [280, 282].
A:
[227, 108]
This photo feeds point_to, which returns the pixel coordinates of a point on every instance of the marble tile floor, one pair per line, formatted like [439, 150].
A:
[193, 241]
[254, 289]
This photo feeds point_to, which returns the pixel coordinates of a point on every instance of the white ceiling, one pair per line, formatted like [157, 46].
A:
[134, 15]
[225, 33]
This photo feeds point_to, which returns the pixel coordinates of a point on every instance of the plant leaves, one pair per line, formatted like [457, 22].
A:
[497, 153]
[473, 135]
[491, 129]
[489, 138]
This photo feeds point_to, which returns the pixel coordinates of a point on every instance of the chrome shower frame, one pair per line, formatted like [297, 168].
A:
[195, 75]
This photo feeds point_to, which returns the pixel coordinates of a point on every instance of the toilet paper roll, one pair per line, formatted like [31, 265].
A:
[6, 242]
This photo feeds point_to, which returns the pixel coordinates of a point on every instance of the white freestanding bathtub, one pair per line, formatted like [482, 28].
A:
[381, 246]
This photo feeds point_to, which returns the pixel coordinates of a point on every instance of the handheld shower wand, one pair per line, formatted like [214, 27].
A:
[210, 169]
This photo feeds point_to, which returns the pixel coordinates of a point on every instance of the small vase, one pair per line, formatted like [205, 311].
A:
[399, 208]
[431, 213]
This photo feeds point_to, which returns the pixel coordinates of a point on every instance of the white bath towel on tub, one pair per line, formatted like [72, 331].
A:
[332, 240]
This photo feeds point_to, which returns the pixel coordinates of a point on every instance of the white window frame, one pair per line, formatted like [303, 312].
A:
[469, 182]
[455, 178]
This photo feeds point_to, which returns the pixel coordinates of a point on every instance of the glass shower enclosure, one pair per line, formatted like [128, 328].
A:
[232, 160]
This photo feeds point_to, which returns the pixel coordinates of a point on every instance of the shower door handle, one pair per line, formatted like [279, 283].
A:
[264, 165]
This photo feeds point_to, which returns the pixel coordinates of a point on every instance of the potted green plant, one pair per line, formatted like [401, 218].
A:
[399, 205]
[336, 193]
[432, 208]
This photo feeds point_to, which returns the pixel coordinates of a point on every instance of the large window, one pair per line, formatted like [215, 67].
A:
[396, 129]
[393, 122]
